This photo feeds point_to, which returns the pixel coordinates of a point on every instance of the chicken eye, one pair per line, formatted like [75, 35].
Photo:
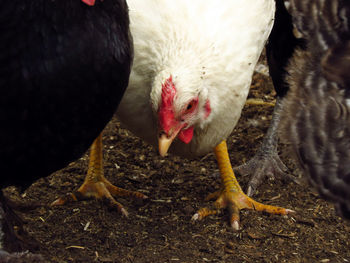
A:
[191, 106]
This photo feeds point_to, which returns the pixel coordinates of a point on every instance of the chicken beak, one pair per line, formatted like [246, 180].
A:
[166, 138]
[164, 143]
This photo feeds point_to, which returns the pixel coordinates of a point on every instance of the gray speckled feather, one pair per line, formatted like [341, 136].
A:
[316, 114]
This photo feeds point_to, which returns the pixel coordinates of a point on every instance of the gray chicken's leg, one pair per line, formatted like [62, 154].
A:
[266, 161]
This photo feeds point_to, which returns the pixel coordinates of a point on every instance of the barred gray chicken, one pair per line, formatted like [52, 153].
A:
[315, 118]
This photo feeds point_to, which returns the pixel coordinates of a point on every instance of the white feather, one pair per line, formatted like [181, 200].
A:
[209, 47]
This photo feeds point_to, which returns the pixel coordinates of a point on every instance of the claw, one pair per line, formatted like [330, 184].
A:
[204, 212]
[235, 225]
[250, 191]
[290, 211]
[195, 217]
[124, 212]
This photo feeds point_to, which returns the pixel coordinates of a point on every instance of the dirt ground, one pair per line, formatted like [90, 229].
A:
[161, 230]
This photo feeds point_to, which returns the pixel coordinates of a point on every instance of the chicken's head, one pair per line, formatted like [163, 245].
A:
[178, 115]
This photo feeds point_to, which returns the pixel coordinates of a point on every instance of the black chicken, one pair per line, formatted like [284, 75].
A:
[316, 112]
[64, 66]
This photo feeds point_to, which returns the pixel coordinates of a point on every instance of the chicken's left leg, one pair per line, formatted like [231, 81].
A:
[266, 161]
[96, 185]
[232, 196]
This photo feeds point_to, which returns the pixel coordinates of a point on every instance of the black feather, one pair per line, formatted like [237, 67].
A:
[64, 67]
[280, 47]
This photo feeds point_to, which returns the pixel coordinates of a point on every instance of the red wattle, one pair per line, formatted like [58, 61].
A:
[186, 135]
[207, 109]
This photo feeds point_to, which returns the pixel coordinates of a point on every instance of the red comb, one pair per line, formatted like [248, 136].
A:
[166, 113]
[168, 92]
[89, 2]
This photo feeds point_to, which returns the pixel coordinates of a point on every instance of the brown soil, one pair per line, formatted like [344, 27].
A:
[161, 230]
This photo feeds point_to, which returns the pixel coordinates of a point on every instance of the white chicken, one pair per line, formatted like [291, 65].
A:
[203, 55]
[192, 70]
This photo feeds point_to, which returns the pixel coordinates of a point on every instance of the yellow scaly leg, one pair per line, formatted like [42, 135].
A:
[96, 185]
[231, 196]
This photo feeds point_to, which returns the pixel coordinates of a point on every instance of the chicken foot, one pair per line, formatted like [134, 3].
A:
[96, 185]
[231, 196]
[266, 162]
